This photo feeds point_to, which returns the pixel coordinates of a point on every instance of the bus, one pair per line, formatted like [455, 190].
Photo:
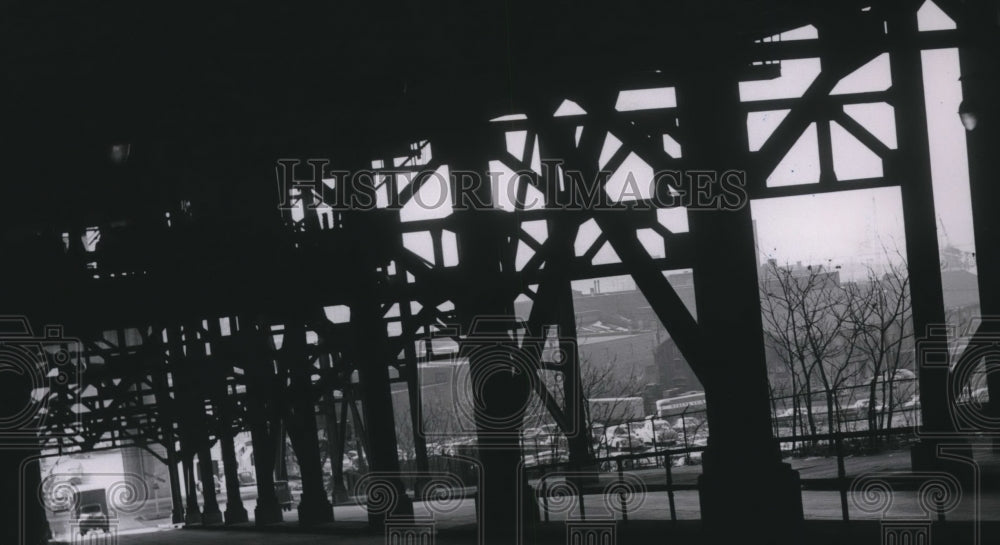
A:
[685, 403]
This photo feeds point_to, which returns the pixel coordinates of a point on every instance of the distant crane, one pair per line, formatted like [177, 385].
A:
[947, 244]
[944, 231]
[953, 257]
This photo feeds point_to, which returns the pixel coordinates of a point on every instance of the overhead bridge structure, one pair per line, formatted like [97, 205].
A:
[210, 219]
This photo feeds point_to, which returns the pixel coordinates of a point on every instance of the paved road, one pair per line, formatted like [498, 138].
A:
[635, 531]
[655, 505]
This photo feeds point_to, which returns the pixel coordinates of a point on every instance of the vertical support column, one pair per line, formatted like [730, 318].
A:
[235, 512]
[278, 436]
[357, 430]
[192, 515]
[371, 356]
[500, 395]
[744, 483]
[197, 362]
[314, 506]
[412, 373]
[979, 89]
[555, 294]
[206, 470]
[185, 422]
[578, 438]
[335, 446]
[20, 481]
[923, 257]
[36, 281]
[166, 417]
[176, 498]
[260, 398]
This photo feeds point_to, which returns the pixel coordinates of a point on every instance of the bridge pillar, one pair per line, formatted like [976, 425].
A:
[373, 359]
[260, 399]
[235, 512]
[206, 470]
[314, 506]
[744, 484]
[192, 514]
[506, 509]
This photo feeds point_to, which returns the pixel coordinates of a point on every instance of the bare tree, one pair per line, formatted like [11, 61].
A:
[606, 381]
[603, 382]
[820, 306]
[804, 316]
[439, 423]
[879, 314]
[782, 334]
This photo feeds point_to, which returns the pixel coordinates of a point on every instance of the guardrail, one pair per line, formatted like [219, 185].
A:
[841, 483]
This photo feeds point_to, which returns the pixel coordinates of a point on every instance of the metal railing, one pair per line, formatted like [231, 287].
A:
[841, 483]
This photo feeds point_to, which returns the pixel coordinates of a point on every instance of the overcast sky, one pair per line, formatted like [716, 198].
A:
[851, 227]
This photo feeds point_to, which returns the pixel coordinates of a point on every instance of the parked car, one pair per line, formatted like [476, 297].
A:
[898, 375]
[658, 429]
[784, 414]
[246, 478]
[610, 465]
[621, 438]
[665, 434]
[687, 422]
[862, 407]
